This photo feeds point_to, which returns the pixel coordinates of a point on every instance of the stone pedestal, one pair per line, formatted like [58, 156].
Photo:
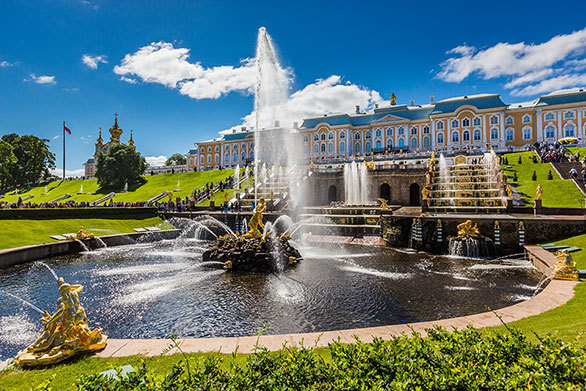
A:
[537, 207]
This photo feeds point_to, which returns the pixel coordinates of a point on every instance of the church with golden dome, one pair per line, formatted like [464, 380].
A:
[115, 133]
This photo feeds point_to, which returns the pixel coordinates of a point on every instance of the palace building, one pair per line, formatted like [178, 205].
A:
[466, 123]
[115, 132]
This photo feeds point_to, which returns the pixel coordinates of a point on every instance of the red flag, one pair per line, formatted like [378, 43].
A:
[66, 129]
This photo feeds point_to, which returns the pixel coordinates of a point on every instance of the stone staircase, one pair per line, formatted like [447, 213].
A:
[563, 169]
[344, 221]
[277, 183]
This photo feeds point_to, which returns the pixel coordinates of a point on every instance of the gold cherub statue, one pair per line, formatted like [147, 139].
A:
[468, 230]
[65, 334]
[256, 220]
[539, 192]
[565, 267]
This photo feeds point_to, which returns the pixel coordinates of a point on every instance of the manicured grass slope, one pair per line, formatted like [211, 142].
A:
[154, 186]
[556, 193]
[15, 233]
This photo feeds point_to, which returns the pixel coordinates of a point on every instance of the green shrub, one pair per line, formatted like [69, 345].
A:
[444, 360]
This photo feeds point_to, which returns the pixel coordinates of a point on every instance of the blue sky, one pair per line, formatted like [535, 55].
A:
[176, 72]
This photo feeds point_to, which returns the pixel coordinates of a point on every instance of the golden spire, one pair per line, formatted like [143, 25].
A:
[100, 139]
[115, 131]
[131, 141]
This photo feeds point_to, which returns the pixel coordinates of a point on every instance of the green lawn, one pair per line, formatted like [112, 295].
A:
[569, 320]
[154, 186]
[556, 193]
[24, 232]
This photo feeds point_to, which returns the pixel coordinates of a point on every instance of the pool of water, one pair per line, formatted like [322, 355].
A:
[148, 290]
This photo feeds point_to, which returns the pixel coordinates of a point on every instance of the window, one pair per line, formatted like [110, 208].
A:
[227, 147]
[201, 150]
[413, 130]
[243, 156]
[426, 130]
[235, 157]
[342, 146]
[390, 143]
[549, 117]
[413, 143]
[389, 131]
[217, 158]
[367, 135]
[455, 123]
[316, 137]
[569, 114]
[466, 122]
[401, 143]
[306, 138]
[330, 136]
[455, 137]
[378, 145]
[315, 147]
[426, 142]
[201, 160]
[209, 149]
[323, 136]
[570, 130]
[509, 121]
[440, 125]
[494, 120]
[476, 121]
[251, 155]
[494, 133]
[466, 136]
[342, 135]
[217, 148]
[226, 158]
[357, 136]
[440, 138]
[330, 147]
[526, 118]
[477, 135]
[509, 134]
[378, 133]
[367, 147]
[527, 133]
[323, 147]
[401, 130]
[305, 148]
[243, 146]
[549, 131]
[357, 147]
[209, 158]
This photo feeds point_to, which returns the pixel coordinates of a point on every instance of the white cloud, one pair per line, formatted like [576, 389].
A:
[86, 140]
[41, 79]
[162, 63]
[156, 160]
[92, 62]
[128, 80]
[72, 89]
[551, 63]
[549, 85]
[56, 137]
[68, 173]
[6, 64]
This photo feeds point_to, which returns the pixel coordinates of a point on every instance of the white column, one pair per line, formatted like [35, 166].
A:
[539, 126]
[559, 132]
[448, 128]
[579, 131]
[502, 138]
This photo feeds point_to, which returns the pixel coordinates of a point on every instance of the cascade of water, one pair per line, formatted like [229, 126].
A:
[125, 188]
[99, 240]
[214, 221]
[34, 307]
[283, 223]
[356, 183]
[244, 227]
[267, 230]
[542, 281]
[236, 178]
[49, 269]
[364, 184]
[445, 183]
[82, 244]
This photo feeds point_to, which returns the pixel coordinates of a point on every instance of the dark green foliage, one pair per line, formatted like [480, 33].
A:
[24, 160]
[549, 176]
[120, 165]
[176, 159]
[457, 360]
[534, 176]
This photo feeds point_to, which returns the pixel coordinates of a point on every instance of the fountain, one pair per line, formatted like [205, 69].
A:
[80, 189]
[356, 183]
[470, 242]
[125, 187]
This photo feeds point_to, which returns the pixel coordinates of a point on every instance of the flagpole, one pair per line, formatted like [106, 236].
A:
[63, 150]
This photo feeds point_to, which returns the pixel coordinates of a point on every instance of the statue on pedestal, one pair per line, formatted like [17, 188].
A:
[256, 220]
[565, 267]
[539, 192]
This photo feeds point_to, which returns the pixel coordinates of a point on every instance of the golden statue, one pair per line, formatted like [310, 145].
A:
[65, 334]
[539, 192]
[425, 192]
[369, 165]
[565, 267]
[383, 204]
[256, 220]
[393, 99]
[312, 165]
[509, 191]
[468, 230]
[81, 234]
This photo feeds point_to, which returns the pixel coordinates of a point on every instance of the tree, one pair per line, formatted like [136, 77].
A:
[119, 165]
[176, 159]
[33, 159]
[7, 162]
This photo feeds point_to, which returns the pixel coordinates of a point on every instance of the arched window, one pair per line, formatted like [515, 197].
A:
[426, 142]
[330, 136]
[526, 118]
[414, 143]
[549, 117]
[476, 121]
[426, 130]
[550, 131]
[494, 133]
[330, 147]
[569, 114]
[209, 149]
[305, 148]
[389, 131]
[401, 130]
[323, 147]
[466, 122]
[235, 157]
[440, 138]
[509, 134]
[509, 121]
[201, 160]
[494, 120]
[342, 146]
[315, 148]
[527, 133]
[455, 137]
[390, 143]
[367, 146]
[323, 136]
[306, 138]
[454, 123]
[413, 130]
[357, 136]
[209, 158]
[466, 136]
[569, 130]
[316, 137]
[367, 135]
[342, 134]
[440, 125]
[477, 135]
[378, 145]
[378, 133]
[357, 147]
[226, 158]
[401, 143]
[243, 156]
[251, 155]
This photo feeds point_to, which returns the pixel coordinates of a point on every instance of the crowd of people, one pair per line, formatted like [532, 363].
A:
[550, 152]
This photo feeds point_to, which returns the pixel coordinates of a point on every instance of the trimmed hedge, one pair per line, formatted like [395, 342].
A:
[444, 360]
[78, 213]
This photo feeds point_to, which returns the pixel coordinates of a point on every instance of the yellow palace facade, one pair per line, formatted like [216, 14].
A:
[467, 123]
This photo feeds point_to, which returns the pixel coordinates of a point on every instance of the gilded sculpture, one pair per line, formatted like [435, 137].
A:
[468, 230]
[65, 334]
[538, 192]
[383, 204]
[256, 220]
[565, 267]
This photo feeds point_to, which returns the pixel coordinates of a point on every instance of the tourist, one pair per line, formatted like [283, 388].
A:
[574, 172]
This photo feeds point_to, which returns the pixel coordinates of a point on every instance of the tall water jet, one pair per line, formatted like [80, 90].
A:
[236, 178]
[356, 183]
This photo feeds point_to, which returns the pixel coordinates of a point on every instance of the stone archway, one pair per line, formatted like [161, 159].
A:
[414, 195]
[332, 194]
[385, 192]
